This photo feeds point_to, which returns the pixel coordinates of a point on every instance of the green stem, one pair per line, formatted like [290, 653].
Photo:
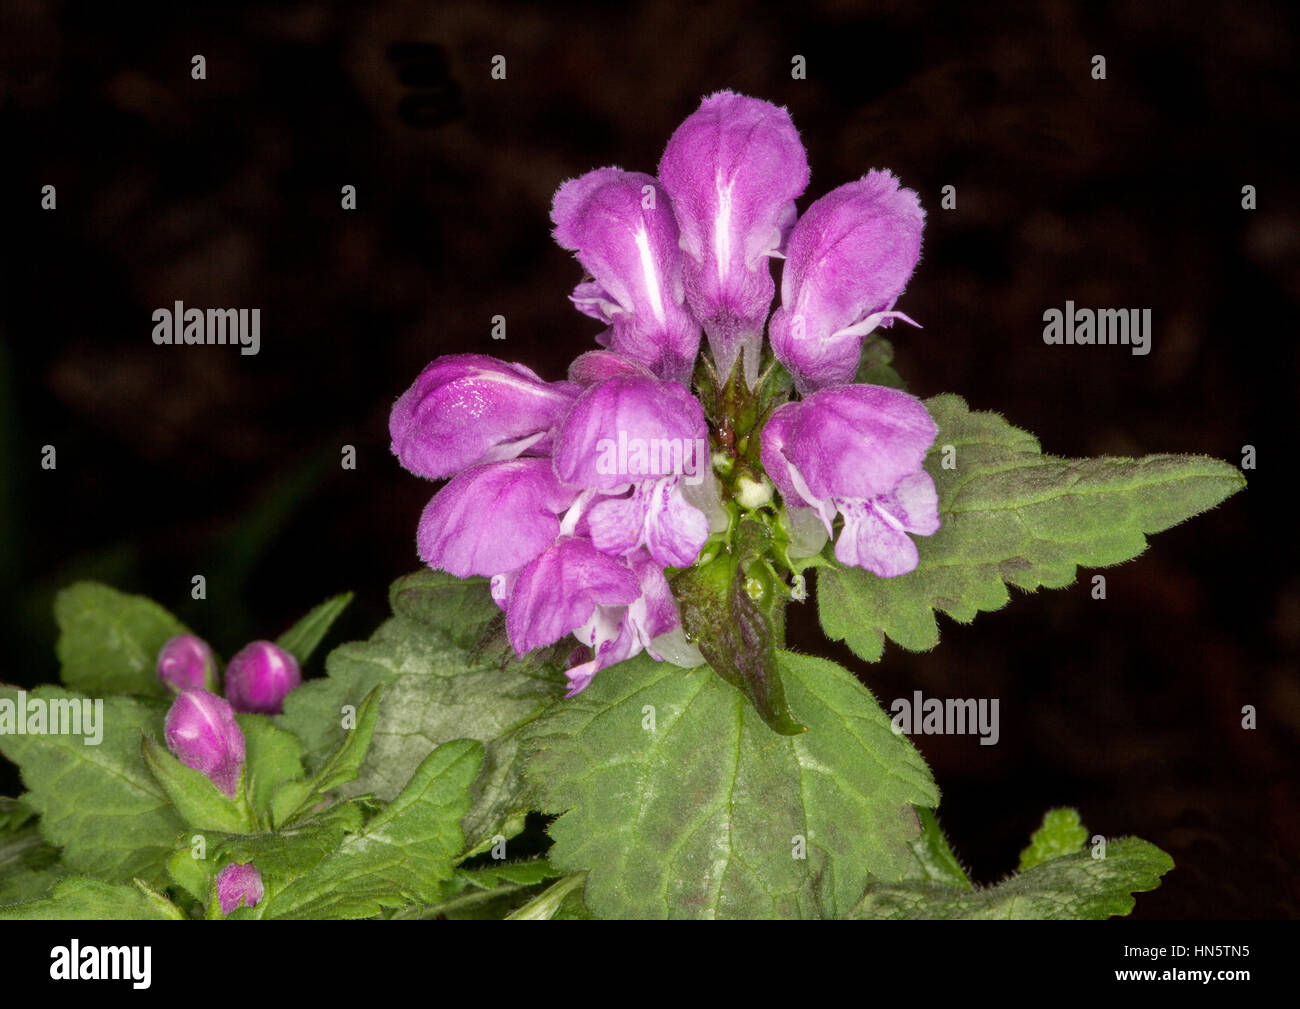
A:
[466, 900]
[545, 904]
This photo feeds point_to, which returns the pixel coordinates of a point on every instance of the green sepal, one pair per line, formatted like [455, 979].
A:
[731, 610]
[195, 798]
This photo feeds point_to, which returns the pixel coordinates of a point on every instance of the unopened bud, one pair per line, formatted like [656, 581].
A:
[753, 494]
[259, 678]
[238, 882]
[186, 663]
[202, 732]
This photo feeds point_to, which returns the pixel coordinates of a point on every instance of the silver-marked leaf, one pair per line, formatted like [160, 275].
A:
[1066, 887]
[680, 802]
[1012, 516]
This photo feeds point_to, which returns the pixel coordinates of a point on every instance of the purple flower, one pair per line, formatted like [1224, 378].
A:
[614, 606]
[201, 731]
[557, 592]
[470, 408]
[574, 497]
[849, 257]
[186, 662]
[616, 633]
[596, 366]
[858, 449]
[621, 226]
[733, 169]
[493, 518]
[637, 439]
[239, 882]
[259, 678]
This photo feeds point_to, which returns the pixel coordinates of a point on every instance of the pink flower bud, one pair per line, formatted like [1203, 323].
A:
[238, 882]
[202, 732]
[259, 678]
[186, 663]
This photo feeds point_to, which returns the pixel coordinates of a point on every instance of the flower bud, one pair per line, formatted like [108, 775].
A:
[202, 732]
[185, 662]
[238, 882]
[259, 678]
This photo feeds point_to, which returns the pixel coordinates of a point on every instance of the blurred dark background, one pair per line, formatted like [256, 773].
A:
[1118, 193]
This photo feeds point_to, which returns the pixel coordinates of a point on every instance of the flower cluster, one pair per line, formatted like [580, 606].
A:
[257, 680]
[202, 733]
[573, 533]
[200, 728]
[579, 498]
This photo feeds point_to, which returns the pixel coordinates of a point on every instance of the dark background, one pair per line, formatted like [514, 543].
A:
[1117, 193]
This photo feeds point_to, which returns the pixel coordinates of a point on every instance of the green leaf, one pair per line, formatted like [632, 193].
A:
[281, 856]
[1060, 834]
[1011, 515]
[1065, 887]
[731, 610]
[340, 767]
[28, 865]
[98, 803]
[488, 892]
[28, 884]
[198, 802]
[444, 679]
[875, 366]
[703, 815]
[573, 909]
[14, 813]
[526, 872]
[400, 857]
[933, 859]
[272, 759]
[80, 899]
[547, 904]
[189, 873]
[109, 641]
[301, 639]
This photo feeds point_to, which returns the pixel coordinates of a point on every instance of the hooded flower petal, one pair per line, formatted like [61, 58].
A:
[630, 428]
[470, 408]
[733, 169]
[596, 366]
[493, 518]
[856, 450]
[848, 259]
[558, 592]
[849, 441]
[621, 226]
[617, 633]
